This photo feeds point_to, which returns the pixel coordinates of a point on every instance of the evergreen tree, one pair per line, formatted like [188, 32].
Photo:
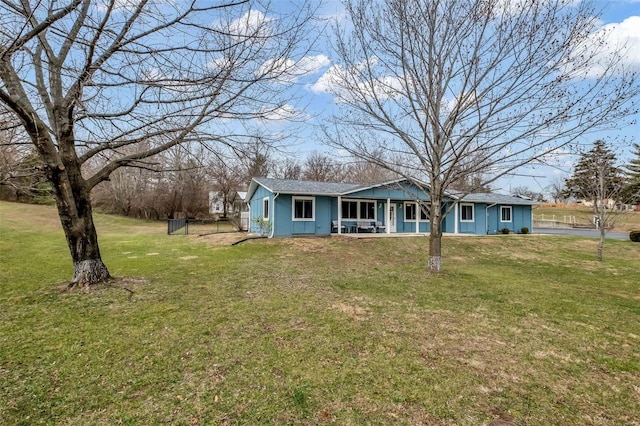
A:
[632, 188]
[596, 177]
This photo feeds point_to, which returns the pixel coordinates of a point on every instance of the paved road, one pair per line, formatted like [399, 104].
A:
[582, 233]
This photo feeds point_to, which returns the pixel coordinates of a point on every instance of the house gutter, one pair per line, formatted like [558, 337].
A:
[486, 220]
[272, 219]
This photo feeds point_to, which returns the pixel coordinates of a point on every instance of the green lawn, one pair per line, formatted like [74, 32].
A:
[312, 331]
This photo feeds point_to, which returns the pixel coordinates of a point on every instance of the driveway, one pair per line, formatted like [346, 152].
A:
[593, 233]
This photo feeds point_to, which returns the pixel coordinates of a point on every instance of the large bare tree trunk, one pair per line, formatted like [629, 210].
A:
[435, 251]
[435, 236]
[76, 216]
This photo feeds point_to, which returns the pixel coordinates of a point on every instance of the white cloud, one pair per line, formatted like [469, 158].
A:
[253, 23]
[624, 35]
[333, 82]
[284, 113]
[312, 64]
[328, 82]
[289, 71]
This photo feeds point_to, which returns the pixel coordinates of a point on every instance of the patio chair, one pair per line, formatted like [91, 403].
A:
[380, 227]
[334, 226]
[366, 225]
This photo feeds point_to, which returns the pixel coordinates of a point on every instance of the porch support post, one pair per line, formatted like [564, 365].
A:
[418, 210]
[339, 214]
[387, 220]
[455, 217]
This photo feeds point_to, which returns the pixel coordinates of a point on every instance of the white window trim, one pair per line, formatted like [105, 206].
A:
[266, 200]
[375, 210]
[510, 214]
[347, 200]
[473, 212]
[419, 212]
[405, 212]
[293, 209]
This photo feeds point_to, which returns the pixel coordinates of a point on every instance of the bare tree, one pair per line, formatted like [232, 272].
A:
[525, 191]
[468, 174]
[508, 82]
[288, 168]
[598, 182]
[361, 171]
[357, 170]
[21, 176]
[227, 177]
[88, 79]
[256, 164]
[321, 168]
[556, 190]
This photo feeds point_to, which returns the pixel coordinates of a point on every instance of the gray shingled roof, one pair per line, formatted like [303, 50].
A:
[285, 186]
[301, 187]
[497, 198]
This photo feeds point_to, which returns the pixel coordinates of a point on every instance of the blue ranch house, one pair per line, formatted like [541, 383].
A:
[285, 208]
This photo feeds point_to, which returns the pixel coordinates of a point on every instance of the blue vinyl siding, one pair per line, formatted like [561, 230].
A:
[321, 225]
[520, 217]
[281, 210]
[468, 227]
[283, 216]
[256, 205]
[282, 207]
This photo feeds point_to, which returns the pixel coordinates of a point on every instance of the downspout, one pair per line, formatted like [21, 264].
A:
[273, 214]
[486, 220]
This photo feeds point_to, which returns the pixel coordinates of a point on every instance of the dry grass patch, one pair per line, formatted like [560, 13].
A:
[221, 239]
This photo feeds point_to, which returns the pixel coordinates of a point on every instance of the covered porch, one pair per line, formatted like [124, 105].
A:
[355, 215]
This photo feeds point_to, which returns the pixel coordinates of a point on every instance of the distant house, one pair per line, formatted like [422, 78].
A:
[284, 208]
[609, 203]
[235, 203]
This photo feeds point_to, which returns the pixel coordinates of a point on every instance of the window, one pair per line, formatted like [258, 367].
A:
[265, 208]
[505, 214]
[359, 210]
[303, 208]
[410, 211]
[424, 212]
[367, 210]
[349, 209]
[466, 212]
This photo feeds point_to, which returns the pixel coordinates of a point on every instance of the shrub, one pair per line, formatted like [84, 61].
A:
[264, 225]
[634, 236]
[524, 230]
[505, 230]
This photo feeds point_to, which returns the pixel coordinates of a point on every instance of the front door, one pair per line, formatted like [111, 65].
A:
[392, 218]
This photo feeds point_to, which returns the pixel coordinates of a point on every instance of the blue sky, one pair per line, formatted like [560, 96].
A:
[622, 16]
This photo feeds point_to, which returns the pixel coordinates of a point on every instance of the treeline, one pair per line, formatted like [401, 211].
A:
[177, 182]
